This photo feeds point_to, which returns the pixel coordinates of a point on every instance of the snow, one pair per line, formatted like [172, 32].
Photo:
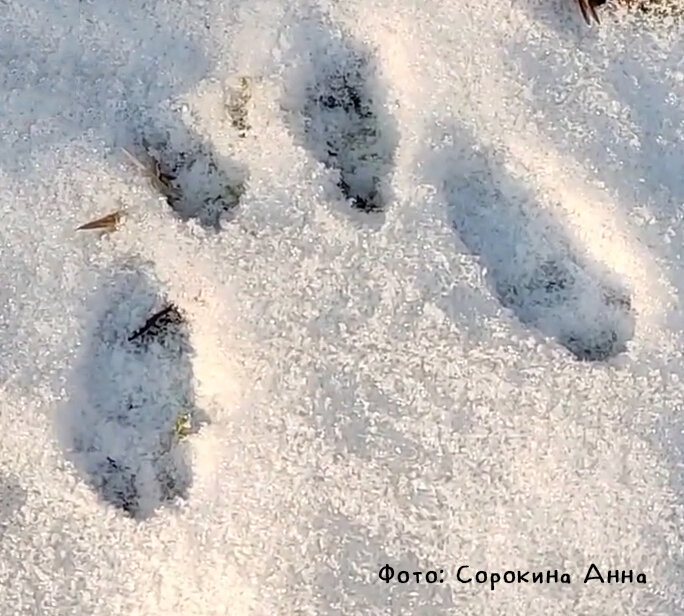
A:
[487, 371]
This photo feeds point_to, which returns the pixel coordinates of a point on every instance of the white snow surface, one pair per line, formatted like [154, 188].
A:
[488, 372]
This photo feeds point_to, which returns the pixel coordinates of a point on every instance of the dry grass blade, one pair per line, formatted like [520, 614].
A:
[152, 169]
[162, 183]
[144, 168]
[588, 10]
[592, 10]
[106, 223]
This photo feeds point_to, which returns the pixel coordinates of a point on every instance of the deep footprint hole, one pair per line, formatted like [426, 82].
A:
[532, 265]
[590, 318]
[128, 430]
[610, 335]
[198, 183]
[343, 121]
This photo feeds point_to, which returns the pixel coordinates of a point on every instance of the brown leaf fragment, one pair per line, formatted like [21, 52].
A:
[106, 223]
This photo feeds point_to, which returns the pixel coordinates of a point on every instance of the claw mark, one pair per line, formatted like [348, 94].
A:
[159, 320]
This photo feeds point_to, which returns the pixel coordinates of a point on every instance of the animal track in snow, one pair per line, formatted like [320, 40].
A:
[530, 262]
[135, 400]
[198, 182]
[236, 106]
[340, 119]
[548, 296]
[12, 498]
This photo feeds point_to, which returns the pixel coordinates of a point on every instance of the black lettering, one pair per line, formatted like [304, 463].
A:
[386, 573]
[597, 575]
